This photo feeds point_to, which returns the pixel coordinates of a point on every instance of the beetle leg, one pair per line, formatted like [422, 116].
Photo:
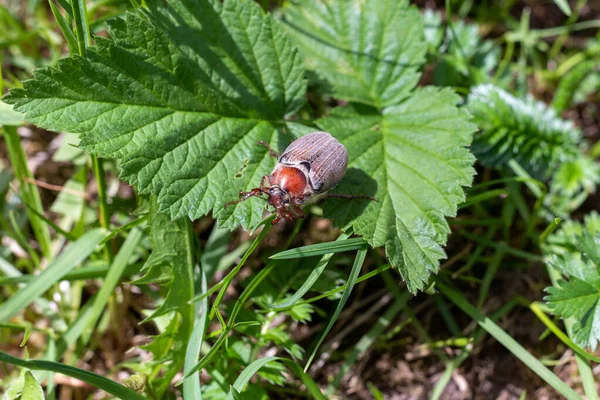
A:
[272, 152]
[349, 196]
[296, 209]
[246, 195]
[281, 214]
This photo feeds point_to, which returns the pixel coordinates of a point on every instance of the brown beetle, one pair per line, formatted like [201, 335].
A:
[309, 166]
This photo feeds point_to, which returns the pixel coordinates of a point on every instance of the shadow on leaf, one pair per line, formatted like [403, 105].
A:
[355, 183]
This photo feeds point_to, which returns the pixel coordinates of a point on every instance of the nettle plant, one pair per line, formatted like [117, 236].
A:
[182, 94]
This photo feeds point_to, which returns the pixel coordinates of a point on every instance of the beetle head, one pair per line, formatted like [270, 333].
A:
[278, 197]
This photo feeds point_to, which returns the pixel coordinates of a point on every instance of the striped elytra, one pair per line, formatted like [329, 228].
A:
[322, 158]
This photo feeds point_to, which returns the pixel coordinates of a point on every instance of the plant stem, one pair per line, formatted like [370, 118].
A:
[84, 41]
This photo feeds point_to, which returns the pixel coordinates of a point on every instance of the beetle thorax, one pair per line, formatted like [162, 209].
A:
[292, 181]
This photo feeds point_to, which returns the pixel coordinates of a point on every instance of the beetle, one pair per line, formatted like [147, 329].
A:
[309, 166]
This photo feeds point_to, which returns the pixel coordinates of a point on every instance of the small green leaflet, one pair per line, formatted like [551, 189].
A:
[579, 296]
[31, 388]
[181, 96]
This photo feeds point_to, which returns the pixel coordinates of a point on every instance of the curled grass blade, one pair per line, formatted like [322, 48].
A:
[109, 386]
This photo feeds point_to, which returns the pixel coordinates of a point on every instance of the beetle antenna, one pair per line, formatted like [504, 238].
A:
[272, 152]
[350, 197]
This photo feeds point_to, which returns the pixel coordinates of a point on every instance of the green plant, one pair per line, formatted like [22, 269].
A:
[172, 98]
[186, 127]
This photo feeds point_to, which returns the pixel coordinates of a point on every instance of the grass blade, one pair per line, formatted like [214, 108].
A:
[81, 25]
[109, 386]
[507, 341]
[69, 259]
[564, 6]
[358, 262]
[247, 374]
[320, 249]
[310, 281]
[191, 385]
[83, 273]
[65, 28]
[111, 280]
[367, 340]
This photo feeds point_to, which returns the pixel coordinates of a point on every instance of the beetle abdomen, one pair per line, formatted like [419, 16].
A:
[324, 158]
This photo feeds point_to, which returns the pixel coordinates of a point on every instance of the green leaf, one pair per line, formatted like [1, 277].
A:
[579, 300]
[109, 386]
[172, 262]
[181, 97]
[522, 129]
[31, 389]
[369, 51]
[8, 116]
[413, 159]
[579, 297]
[432, 28]
[561, 240]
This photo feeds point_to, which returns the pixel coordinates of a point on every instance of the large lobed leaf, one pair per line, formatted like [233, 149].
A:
[522, 129]
[409, 150]
[412, 158]
[370, 51]
[181, 97]
[578, 297]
